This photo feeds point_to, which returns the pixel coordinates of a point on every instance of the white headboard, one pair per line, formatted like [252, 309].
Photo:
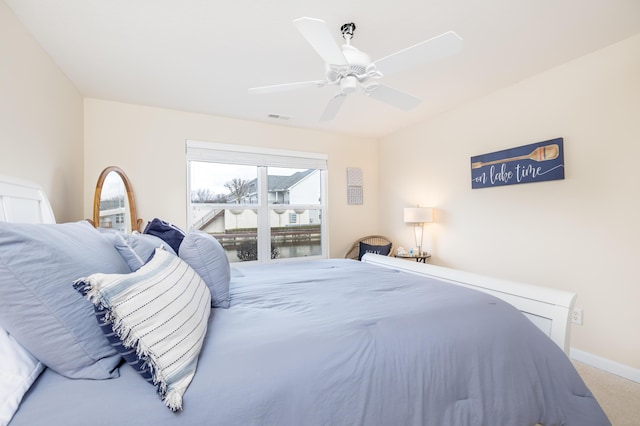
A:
[23, 201]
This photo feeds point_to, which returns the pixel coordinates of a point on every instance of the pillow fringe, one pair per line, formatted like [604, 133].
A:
[87, 287]
[129, 340]
[173, 400]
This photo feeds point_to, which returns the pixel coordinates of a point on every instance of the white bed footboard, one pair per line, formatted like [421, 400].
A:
[547, 308]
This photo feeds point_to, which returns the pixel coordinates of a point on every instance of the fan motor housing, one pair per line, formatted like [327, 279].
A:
[357, 59]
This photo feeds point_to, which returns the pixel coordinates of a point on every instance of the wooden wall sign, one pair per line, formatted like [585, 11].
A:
[536, 162]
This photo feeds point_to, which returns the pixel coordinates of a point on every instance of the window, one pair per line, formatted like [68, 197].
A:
[261, 204]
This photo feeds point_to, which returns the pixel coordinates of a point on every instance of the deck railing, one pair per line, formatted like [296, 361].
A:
[291, 236]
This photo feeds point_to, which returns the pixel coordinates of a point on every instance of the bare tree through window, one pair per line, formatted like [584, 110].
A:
[238, 188]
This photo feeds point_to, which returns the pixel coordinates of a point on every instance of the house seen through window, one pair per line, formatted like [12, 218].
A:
[261, 205]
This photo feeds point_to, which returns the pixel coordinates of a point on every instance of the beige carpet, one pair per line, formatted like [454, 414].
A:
[618, 397]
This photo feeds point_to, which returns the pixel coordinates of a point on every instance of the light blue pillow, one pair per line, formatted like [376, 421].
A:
[136, 248]
[108, 234]
[38, 305]
[205, 254]
[159, 313]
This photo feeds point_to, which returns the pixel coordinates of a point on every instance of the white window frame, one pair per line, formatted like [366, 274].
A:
[262, 158]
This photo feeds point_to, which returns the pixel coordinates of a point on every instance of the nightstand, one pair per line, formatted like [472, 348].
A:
[419, 258]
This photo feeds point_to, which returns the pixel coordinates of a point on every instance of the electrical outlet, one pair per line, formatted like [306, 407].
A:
[576, 316]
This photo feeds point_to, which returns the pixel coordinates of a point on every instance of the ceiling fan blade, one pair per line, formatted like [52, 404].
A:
[332, 108]
[315, 31]
[437, 47]
[286, 87]
[393, 97]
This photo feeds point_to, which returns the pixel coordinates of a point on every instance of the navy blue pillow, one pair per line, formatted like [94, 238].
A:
[169, 233]
[368, 248]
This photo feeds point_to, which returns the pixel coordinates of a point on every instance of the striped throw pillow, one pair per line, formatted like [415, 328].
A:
[161, 312]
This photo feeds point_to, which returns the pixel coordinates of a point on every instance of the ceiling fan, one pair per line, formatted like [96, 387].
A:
[349, 68]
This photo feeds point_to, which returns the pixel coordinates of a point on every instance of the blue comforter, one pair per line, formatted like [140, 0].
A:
[338, 342]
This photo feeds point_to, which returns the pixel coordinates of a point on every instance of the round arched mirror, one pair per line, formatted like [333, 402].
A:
[113, 204]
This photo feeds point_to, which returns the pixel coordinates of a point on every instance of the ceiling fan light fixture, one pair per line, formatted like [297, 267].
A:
[349, 84]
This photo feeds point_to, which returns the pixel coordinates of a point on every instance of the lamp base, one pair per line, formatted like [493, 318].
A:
[418, 230]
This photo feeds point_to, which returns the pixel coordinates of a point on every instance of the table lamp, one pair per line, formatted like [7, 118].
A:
[418, 216]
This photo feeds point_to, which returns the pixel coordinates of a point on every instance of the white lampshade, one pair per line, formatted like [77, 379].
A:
[418, 214]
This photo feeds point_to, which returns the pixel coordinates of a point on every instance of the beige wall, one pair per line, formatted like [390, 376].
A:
[149, 145]
[580, 234]
[40, 120]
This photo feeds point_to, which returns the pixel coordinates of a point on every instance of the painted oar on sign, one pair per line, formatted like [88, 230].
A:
[542, 153]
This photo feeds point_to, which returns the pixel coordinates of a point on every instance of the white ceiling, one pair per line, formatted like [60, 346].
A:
[202, 55]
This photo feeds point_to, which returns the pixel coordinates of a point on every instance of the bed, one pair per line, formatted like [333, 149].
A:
[340, 342]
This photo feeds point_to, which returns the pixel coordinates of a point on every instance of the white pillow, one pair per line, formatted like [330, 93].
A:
[161, 311]
[18, 370]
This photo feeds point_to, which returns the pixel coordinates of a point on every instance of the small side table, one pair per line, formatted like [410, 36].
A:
[421, 258]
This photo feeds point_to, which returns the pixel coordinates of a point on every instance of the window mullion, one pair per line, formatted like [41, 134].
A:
[324, 230]
[264, 230]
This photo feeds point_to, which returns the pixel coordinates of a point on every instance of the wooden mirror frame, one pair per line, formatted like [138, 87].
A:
[135, 221]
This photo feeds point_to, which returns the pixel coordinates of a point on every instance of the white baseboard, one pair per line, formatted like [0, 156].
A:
[605, 364]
